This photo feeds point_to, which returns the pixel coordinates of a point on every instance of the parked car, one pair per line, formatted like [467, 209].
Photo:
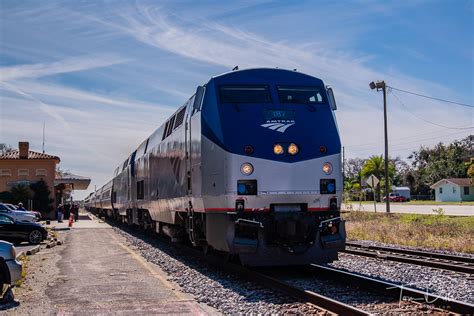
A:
[10, 268]
[15, 208]
[396, 197]
[22, 216]
[16, 231]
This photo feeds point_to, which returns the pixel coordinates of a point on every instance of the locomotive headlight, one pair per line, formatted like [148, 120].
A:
[327, 168]
[278, 149]
[246, 169]
[293, 149]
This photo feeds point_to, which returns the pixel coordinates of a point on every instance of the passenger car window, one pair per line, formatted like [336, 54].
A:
[245, 94]
[5, 220]
[301, 94]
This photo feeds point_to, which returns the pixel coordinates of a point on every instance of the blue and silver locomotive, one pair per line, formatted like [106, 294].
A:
[250, 165]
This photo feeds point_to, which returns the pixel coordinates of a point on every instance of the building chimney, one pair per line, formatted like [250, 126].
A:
[24, 147]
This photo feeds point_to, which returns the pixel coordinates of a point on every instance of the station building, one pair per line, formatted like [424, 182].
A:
[24, 166]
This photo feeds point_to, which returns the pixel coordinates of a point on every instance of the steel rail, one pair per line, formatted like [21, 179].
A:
[321, 301]
[394, 290]
[421, 253]
[413, 258]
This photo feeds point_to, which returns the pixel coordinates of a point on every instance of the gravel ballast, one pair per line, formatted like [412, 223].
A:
[454, 285]
[381, 244]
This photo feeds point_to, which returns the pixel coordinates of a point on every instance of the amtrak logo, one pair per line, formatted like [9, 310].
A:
[278, 125]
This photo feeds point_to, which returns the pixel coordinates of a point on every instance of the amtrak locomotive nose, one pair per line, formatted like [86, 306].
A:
[250, 165]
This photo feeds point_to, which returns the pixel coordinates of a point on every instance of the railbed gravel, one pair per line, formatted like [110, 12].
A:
[224, 292]
[450, 284]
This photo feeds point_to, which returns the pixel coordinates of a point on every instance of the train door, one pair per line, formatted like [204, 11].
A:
[132, 187]
[191, 136]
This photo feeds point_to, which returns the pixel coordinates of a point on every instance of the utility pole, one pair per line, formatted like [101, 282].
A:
[380, 85]
[343, 166]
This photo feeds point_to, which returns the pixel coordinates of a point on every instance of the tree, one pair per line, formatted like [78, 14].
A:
[41, 198]
[470, 169]
[376, 165]
[5, 149]
[6, 197]
[442, 161]
[21, 193]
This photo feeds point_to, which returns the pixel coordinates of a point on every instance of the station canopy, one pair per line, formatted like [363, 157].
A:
[73, 181]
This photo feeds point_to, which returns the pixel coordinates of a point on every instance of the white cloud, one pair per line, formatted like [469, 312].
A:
[63, 66]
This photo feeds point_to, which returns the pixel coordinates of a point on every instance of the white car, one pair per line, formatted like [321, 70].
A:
[10, 267]
[21, 216]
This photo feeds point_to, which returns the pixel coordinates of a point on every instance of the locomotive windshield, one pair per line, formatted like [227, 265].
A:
[245, 94]
[301, 94]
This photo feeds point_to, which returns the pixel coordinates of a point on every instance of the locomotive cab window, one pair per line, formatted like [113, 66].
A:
[245, 94]
[301, 94]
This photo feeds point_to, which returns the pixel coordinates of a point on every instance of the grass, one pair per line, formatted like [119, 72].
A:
[436, 231]
[417, 202]
[24, 260]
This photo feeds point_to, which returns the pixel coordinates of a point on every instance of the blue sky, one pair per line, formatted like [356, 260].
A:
[104, 75]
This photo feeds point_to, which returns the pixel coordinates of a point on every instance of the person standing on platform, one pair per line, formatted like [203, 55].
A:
[67, 211]
[60, 213]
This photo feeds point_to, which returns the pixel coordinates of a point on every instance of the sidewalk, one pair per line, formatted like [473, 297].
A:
[95, 272]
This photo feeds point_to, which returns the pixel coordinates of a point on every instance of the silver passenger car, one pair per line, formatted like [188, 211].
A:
[10, 267]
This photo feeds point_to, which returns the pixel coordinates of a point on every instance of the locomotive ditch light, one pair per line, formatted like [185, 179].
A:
[278, 149]
[293, 149]
[327, 168]
[248, 149]
[246, 168]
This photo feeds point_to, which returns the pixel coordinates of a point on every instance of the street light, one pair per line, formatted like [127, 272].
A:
[380, 85]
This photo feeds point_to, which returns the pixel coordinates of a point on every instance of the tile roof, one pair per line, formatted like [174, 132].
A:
[15, 154]
[460, 181]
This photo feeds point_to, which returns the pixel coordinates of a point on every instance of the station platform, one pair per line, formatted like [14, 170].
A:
[99, 273]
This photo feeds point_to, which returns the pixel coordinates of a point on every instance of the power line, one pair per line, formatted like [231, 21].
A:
[400, 139]
[406, 108]
[433, 98]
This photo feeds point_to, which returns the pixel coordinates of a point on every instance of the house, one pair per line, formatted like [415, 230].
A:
[24, 166]
[454, 190]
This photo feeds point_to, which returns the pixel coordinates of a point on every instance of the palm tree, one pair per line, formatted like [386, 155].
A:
[21, 193]
[376, 165]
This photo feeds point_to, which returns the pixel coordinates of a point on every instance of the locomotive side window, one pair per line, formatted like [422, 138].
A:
[179, 118]
[301, 94]
[125, 164]
[165, 130]
[245, 94]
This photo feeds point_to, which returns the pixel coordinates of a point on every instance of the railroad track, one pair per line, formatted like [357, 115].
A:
[322, 302]
[393, 290]
[418, 257]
